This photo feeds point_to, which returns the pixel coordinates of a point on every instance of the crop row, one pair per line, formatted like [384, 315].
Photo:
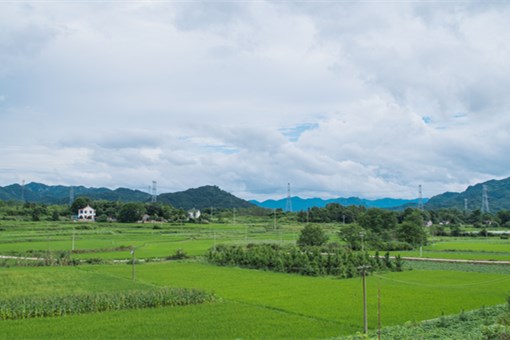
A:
[48, 306]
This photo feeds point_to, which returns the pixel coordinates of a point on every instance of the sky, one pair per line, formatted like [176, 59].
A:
[337, 98]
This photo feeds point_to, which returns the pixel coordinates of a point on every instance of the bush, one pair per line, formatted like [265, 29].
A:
[312, 236]
[394, 245]
[180, 254]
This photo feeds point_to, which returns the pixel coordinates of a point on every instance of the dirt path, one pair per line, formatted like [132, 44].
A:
[454, 260]
[21, 258]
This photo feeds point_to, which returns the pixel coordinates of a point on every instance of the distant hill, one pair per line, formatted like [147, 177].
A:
[498, 192]
[300, 204]
[199, 198]
[204, 197]
[59, 194]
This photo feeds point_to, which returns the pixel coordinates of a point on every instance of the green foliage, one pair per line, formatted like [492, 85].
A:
[411, 230]
[378, 220]
[351, 234]
[179, 255]
[312, 261]
[312, 236]
[333, 212]
[131, 212]
[476, 324]
[79, 203]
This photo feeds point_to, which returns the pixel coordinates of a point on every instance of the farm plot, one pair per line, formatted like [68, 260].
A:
[413, 295]
[114, 241]
[252, 303]
[489, 249]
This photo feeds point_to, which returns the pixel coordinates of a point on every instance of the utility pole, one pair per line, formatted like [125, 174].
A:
[133, 265]
[274, 219]
[363, 269]
[72, 247]
[379, 313]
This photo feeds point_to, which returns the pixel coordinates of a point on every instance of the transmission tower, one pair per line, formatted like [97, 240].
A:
[289, 200]
[485, 200]
[23, 191]
[420, 198]
[154, 192]
[71, 196]
[465, 205]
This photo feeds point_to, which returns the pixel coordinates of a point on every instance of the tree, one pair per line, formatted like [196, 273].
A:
[411, 230]
[352, 235]
[79, 202]
[131, 212]
[378, 220]
[312, 235]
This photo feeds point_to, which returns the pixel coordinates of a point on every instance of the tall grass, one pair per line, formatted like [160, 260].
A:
[24, 307]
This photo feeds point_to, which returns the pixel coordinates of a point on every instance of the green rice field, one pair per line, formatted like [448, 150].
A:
[249, 303]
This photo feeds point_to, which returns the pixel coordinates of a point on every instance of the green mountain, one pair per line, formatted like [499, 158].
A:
[498, 192]
[199, 198]
[59, 194]
[204, 197]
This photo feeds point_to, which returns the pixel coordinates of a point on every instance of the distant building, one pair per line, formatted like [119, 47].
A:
[87, 214]
[193, 214]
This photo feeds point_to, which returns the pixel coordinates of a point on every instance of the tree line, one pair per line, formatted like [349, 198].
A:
[310, 261]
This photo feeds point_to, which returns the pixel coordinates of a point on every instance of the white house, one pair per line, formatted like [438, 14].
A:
[193, 214]
[87, 214]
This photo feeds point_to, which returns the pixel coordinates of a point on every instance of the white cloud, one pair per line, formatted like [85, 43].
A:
[340, 99]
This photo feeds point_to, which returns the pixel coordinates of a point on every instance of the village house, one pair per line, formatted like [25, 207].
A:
[87, 214]
[193, 214]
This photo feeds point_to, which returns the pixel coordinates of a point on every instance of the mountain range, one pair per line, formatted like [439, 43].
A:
[498, 197]
[199, 198]
[300, 204]
[498, 192]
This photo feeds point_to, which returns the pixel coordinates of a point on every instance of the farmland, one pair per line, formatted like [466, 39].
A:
[249, 303]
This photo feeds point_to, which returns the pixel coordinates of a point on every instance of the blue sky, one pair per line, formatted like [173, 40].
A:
[339, 98]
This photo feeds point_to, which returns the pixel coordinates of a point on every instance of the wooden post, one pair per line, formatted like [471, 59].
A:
[379, 313]
[363, 270]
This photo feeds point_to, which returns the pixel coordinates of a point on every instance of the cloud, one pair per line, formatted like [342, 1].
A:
[338, 98]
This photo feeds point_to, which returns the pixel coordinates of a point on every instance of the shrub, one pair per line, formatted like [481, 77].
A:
[312, 236]
[310, 261]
